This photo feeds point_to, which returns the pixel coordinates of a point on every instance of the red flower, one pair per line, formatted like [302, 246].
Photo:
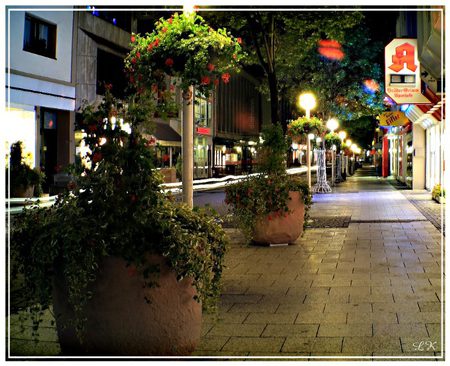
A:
[133, 60]
[269, 217]
[139, 77]
[150, 47]
[138, 55]
[210, 67]
[164, 30]
[239, 40]
[131, 79]
[156, 42]
[226, 78]
[97, 157]
[140, 90]
[133, 39]
[169, 62]
[234, 56]
[216, 81]
[154, 88]
[170, 20]
[205, 80]
[172, 87]
[92, 128]
[108, 86]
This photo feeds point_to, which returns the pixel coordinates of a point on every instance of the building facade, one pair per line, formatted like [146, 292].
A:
[415, 150]
[40, 82]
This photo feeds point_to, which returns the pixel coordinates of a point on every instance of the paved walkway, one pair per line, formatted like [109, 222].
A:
[371, 289]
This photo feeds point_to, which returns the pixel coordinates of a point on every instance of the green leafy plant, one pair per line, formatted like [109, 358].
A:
[266, 195]
[437, 192]
[21, 175]
[116, 209]
[331, 139]
[302, 126]
[185, 47]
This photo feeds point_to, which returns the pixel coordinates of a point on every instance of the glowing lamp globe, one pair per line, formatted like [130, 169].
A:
[332, 124]
[307, 101]
[342, 135]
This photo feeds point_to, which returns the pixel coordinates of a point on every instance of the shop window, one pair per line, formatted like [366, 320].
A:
[202, 111]
[39, 37]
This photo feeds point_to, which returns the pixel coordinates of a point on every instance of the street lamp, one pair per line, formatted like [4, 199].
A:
[342, 135]
[332, 125]
[348, 143]
[307, 102]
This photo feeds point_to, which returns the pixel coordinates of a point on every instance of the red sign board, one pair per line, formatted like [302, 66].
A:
[203, 131]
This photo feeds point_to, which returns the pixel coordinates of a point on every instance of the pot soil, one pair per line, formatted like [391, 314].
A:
[282, 230]
[121, 322]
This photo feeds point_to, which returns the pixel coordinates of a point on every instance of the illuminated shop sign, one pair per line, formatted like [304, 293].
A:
[203, 131]
[402, 72]
[396, 118]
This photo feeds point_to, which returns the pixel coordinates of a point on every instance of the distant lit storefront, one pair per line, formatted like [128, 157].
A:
[203, 140]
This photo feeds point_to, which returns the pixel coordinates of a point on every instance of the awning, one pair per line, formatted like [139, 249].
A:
[427, 115]
[166, 135]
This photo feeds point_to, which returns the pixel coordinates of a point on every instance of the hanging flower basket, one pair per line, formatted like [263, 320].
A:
[188, 49]
[331, 139]
[301, 127]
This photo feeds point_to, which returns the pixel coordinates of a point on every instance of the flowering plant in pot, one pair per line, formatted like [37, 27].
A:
[302, 126]
[270, 207]
[25, 181]
[106, 250]
[185, 47]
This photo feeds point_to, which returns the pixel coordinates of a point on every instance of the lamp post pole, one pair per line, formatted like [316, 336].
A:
[308, 153]
[188, 147]
[307, 101]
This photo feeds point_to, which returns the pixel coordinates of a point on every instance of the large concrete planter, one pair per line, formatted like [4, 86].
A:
[22, 191]
[281, 230]
[121, 322]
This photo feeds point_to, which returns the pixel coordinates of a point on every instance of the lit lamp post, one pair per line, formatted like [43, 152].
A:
[307, 102]
[188, 136]
[332, 125]
[342, 136]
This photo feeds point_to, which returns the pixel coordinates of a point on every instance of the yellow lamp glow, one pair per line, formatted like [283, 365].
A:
[332, 124]
[348, 142]
[307, 101]
[342, 135]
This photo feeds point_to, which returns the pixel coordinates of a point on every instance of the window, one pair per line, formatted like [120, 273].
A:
[110, 71]
[39, 37]
[202, 111]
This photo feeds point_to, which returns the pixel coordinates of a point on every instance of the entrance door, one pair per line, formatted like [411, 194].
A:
[49, 147]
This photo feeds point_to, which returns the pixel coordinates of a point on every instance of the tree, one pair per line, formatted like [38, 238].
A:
[347, 88]
[280, 43]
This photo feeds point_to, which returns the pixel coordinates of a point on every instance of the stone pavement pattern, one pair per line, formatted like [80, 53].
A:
[371, 289]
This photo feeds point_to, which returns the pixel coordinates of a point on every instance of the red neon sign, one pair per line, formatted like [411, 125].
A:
[203, 130]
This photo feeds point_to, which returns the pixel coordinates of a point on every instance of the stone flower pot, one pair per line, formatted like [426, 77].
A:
[121, 322]
[281, 230]
[22, 191]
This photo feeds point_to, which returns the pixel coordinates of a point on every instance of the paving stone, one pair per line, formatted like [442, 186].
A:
[254, 308]
[369, 345]
[319, 345]
[426, 306]
[209, 343]
[335, 330]
[237, 330]
[372, 318]
[401, 330]
[425, 344]
[285, 330]
[253, 344]
[314, 317]
[269, 318]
